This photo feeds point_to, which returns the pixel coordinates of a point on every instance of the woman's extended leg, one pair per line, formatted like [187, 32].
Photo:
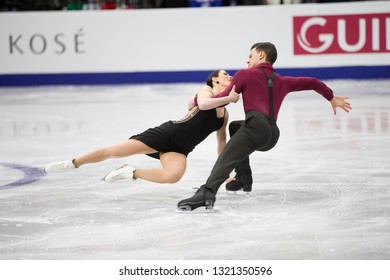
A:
[173, 167]
[127, 148]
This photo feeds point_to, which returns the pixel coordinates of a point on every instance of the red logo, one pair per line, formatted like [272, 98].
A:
[365, 33]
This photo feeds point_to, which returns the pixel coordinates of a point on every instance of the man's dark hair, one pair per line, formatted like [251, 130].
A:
[269, 49]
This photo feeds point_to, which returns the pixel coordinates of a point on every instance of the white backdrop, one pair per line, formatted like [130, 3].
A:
[187, 39]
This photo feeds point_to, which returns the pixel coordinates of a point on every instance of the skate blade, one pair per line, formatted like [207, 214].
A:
[104, 178]
[239, 192]
[187, 210]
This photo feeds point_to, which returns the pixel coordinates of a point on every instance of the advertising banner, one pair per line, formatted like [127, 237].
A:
[329, 41]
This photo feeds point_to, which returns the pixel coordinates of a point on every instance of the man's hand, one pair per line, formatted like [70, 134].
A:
[340, 101]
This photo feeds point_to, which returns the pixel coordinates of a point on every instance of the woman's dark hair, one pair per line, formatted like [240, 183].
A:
[213, 74]
[269, 49]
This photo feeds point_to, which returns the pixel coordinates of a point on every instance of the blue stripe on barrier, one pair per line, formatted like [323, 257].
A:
[324, 73]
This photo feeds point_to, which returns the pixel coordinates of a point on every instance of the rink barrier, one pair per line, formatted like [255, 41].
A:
[327, 41]
[325, 73]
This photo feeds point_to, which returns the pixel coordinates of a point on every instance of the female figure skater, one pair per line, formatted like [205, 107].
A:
[170, 142]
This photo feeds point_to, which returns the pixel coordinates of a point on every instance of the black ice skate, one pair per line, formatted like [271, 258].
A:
[243, 182]
[203, 197]
[243, 178]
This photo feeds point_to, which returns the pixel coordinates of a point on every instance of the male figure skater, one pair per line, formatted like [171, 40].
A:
[263, 91]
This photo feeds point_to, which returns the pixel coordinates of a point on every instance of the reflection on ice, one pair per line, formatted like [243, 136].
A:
[39, 128]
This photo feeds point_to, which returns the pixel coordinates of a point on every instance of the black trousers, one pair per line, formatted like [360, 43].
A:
[256, 133]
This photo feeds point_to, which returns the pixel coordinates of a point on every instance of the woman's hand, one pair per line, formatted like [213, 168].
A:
[233, 95]
[191, 103]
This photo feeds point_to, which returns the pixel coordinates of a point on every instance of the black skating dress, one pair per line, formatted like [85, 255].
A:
[183, 135]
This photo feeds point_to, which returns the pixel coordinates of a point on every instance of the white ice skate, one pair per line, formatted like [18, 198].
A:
[124, 172]
[59, 166]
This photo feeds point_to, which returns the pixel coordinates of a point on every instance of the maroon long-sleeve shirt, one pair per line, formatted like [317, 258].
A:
[252, 85]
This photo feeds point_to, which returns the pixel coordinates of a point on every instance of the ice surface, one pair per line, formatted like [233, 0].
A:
[321, 193]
